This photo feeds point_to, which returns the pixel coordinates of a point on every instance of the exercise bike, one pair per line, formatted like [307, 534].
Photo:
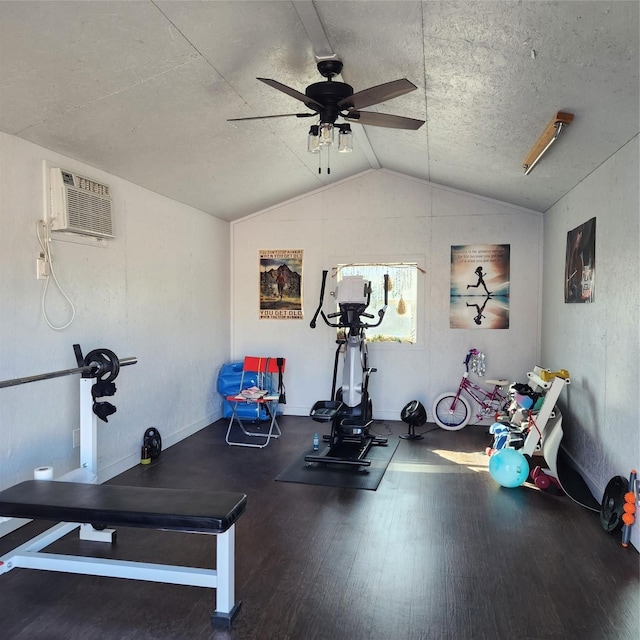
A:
[350, 410]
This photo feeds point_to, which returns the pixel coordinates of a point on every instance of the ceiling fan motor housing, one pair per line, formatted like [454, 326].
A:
[328, 94]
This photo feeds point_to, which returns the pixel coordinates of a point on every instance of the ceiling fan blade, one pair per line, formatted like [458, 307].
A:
[375, 95]
[279, 115]
[383, 120]
[293, 93]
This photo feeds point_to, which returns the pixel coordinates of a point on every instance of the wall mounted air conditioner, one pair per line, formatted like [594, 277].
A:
[80, 205]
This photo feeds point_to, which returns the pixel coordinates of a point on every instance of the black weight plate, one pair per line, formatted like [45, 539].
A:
[153, 440]
[106, 363]
[612, 506]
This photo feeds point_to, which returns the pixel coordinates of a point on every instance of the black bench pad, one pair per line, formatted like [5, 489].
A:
[114, 505]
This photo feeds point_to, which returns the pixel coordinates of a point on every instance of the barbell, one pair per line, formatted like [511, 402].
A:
[102, 364]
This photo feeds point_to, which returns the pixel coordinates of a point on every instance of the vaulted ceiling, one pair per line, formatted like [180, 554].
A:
[144, 90]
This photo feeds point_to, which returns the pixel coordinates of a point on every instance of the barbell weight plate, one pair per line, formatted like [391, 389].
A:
[106, 363]
[612, 506]
[153, 440]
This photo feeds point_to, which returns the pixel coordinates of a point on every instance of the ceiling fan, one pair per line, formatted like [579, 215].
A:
[331, 99]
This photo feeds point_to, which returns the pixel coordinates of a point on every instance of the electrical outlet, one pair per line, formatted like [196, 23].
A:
[76, 438]
[42, 267]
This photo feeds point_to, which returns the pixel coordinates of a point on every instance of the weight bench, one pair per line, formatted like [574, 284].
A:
[72, 504]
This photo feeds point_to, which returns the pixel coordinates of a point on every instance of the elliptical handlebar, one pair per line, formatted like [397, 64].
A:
[312, 324]
[382, 311]
[338, 314]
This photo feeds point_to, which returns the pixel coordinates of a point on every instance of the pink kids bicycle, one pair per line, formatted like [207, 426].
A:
[452, 411]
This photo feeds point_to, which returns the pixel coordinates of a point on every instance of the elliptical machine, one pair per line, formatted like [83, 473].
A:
[350, 410]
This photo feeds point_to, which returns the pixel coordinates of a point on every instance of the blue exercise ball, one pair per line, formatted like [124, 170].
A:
[508, 468]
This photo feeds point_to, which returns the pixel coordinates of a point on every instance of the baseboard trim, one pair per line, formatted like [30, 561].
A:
[132, 460]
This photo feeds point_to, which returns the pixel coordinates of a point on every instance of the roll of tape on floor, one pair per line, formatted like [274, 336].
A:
[43, 473]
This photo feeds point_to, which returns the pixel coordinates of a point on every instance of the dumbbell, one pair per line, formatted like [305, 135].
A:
[542, 480]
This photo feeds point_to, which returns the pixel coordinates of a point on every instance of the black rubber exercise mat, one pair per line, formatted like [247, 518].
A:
[339, 475]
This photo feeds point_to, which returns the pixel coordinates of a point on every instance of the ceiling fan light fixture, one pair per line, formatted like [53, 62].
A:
[548, 137]
[326, 134]
[345, 139]
[313, 141]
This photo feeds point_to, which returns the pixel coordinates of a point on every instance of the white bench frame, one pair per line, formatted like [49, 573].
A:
[30, 556]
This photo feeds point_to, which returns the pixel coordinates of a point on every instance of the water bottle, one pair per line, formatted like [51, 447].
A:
[316, 441]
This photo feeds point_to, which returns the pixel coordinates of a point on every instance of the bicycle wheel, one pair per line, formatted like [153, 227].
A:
[448, 417]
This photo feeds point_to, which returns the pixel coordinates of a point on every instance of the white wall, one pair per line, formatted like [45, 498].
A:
[382, 216]
[158, 291]
[599, 342]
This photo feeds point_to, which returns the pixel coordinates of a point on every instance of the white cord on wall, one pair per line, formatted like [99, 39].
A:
[45, 244]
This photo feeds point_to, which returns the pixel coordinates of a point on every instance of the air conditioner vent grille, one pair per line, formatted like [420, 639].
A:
[89, 212]
[93, 187]
[80, 205]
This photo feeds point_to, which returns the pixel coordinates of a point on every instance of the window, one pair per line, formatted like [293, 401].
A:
[400, 320]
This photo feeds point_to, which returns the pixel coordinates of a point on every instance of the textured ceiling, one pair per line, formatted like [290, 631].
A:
[143, 89]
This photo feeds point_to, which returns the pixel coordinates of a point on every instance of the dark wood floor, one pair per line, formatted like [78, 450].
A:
[439, 551]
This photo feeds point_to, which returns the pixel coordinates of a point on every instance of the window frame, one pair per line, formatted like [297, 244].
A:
[391, 260]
